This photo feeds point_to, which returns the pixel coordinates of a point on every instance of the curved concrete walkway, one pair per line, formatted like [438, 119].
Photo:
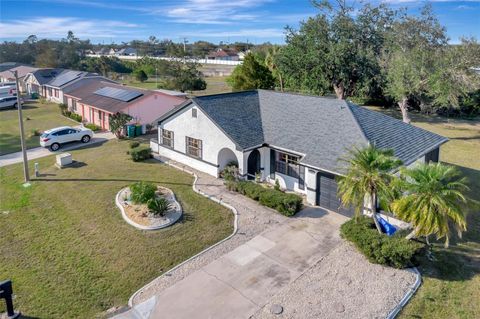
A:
[300, 263]
[238, 277]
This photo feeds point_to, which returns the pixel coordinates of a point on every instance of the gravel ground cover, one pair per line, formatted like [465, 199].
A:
[342, 285]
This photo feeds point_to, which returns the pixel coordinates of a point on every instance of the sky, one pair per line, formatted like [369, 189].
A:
[255, 21]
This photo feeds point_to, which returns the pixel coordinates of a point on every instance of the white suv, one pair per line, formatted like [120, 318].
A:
[55, 137]
[9, 101]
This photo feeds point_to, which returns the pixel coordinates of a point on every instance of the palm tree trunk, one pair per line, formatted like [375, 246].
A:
[280, 79]
[339, 90]
[411, 235]
[373, 209]
[403, 105]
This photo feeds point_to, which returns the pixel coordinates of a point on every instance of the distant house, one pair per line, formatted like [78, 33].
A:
[223, 54]
[22, 71]
[64, 82]
[102, 51]
[96, 101]
[293, 139]
[127, 52]
[9, 65]
[35, 81]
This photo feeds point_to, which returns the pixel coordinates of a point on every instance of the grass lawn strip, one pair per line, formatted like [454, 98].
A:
[67, 249]
[35, 116]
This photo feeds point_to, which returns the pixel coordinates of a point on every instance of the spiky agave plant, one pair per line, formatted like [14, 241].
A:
[434, 198]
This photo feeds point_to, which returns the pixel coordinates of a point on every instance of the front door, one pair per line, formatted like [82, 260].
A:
[253, 164]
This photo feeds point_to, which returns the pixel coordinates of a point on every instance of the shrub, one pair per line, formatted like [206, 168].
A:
[76, 117]
[394, 251]
[158, 206]
[142, 192]
[277, 185]
[63, 108]
[134, 144]
[35, 132]
[286, 204]
[93, 127]
[141, 153]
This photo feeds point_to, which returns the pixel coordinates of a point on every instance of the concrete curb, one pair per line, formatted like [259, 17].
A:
[142, 227]
[213, 198]
[406, 298]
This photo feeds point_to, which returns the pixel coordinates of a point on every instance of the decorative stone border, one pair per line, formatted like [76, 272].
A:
[408, 295]
[213, 198]
[175, 216]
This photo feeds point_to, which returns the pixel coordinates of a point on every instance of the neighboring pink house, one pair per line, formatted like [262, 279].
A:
[96, 101]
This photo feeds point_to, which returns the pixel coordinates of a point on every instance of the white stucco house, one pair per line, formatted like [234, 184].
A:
[295, 139]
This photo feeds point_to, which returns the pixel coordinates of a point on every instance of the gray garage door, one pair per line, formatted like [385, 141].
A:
[327, 194]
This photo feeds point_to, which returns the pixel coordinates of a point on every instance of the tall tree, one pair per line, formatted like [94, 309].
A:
[272, 64]
[410, 58]
[434, 199]
[369, 177]
[335, 50]
[251, 75]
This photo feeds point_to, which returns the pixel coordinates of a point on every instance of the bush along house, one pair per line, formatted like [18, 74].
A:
[294, 139]
[96, 100]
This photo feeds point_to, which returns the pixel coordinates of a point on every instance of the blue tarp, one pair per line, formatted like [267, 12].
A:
[386, 227]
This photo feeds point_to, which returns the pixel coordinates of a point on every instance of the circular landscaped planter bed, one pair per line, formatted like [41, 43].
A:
[139, 216]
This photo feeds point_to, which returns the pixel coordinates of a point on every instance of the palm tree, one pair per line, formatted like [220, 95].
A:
[271, 63]
[434, 196]
[368, 176]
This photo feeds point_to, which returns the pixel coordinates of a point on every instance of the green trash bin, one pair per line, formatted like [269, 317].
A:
[34, 95]
[131, 131]
[138, 130]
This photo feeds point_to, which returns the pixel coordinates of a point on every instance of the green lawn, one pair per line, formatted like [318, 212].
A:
[451, 284]
[215, 85]
[66, 247]
[35, 116]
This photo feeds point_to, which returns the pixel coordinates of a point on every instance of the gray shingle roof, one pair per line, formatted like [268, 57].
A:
[408, 142]
[237, 114]
[322, 129]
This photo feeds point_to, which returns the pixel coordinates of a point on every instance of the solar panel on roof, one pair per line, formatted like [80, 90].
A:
[65, 78]
[118, 94]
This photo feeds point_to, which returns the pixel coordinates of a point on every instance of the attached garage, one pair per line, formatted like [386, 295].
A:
[326, 193]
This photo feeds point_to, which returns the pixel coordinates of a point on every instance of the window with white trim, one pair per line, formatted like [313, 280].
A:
[167, 138]
[287, 164]
[194, 147]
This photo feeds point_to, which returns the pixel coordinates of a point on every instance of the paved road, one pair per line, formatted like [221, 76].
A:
[241, 282]
[38, 152]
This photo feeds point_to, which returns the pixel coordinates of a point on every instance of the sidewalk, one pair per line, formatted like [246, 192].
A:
[38, 152]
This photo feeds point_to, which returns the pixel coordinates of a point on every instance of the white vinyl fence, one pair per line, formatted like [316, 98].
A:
[200, 61]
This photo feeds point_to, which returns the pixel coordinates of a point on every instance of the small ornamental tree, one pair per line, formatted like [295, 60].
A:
[117, 122]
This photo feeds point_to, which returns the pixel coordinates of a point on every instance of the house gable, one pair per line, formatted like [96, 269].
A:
[183, 124]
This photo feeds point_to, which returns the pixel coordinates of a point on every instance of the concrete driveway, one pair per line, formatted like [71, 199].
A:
[39, 152]
[241, 282]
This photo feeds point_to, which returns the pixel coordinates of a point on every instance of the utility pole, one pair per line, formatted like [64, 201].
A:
[22, 134]
[184, 49]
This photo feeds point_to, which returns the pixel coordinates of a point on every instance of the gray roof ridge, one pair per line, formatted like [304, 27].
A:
[223, 94]
[359, 126]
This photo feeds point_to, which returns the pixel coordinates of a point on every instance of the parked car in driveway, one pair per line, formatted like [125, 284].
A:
[58, 136]
[9, 101]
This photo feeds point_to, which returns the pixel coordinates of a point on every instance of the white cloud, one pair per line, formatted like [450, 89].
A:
[246, 33]
[211, 11]
[54, 27]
